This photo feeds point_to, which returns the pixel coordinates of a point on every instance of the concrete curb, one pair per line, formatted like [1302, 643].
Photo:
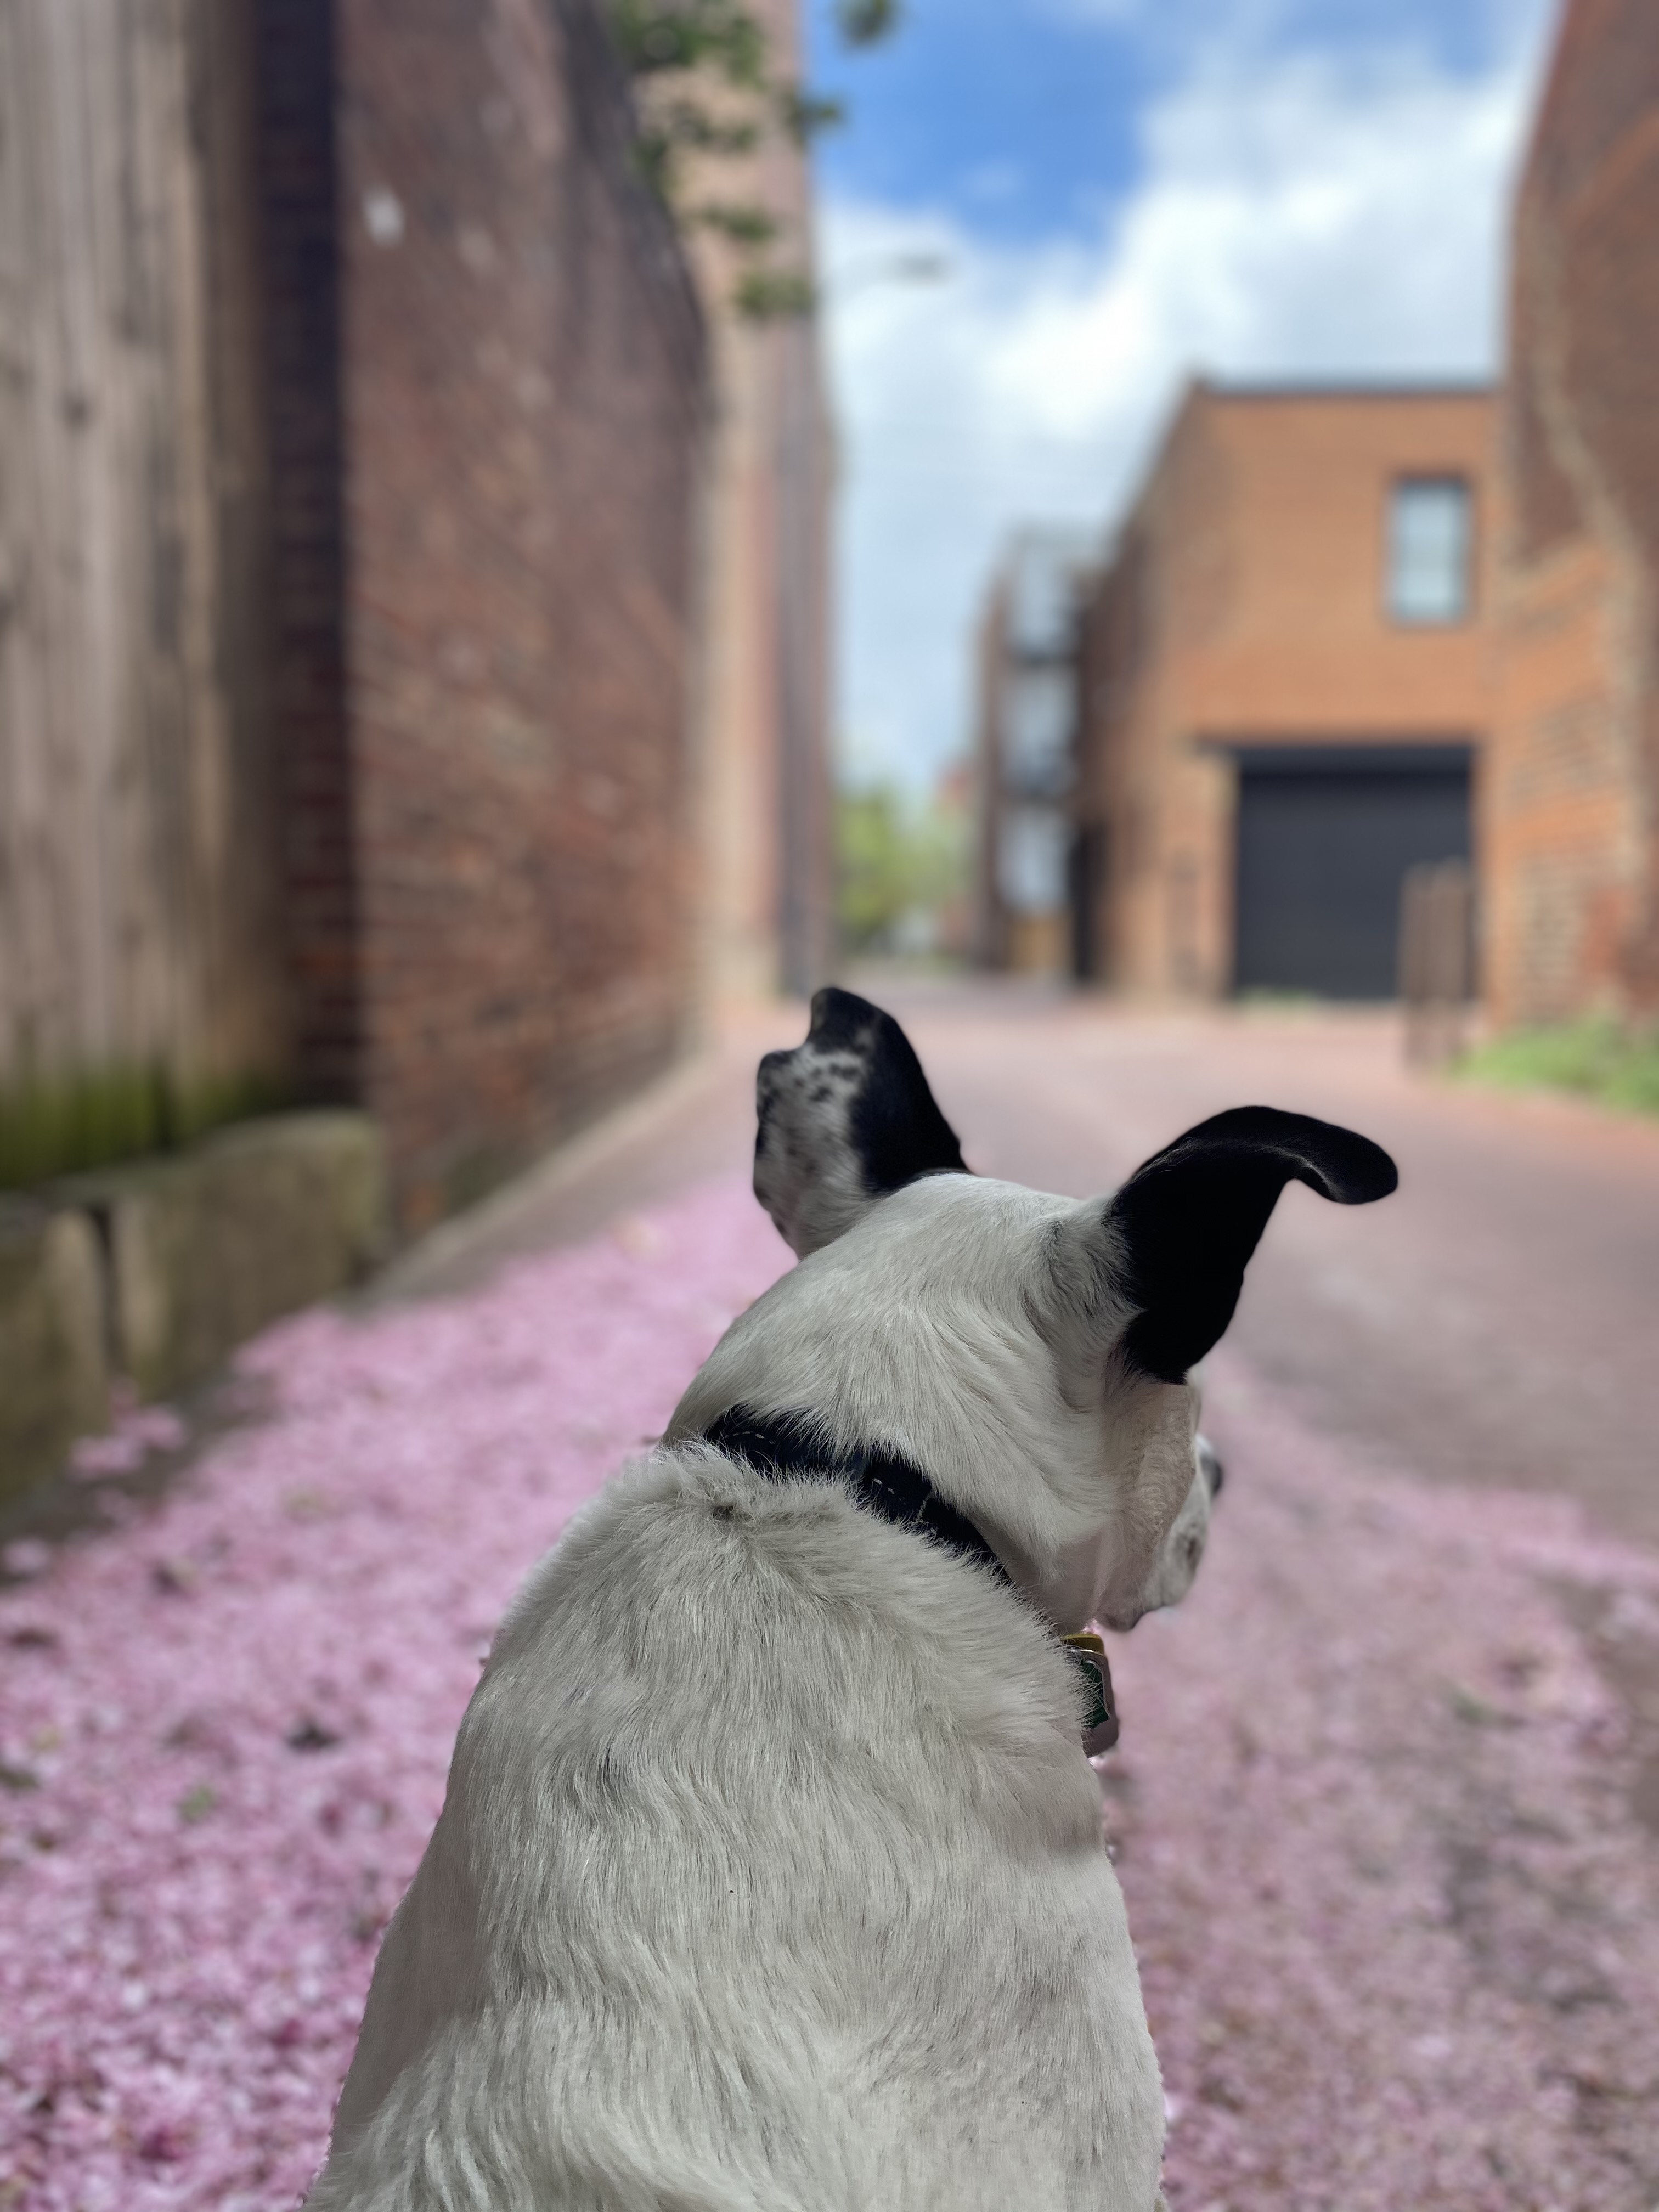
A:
[54, 1358]
[157, 1270]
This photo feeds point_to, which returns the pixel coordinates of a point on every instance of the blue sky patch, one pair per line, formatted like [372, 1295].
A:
[1023, 117]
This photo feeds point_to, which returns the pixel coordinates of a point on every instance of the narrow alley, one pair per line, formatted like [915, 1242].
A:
[1386, 1805]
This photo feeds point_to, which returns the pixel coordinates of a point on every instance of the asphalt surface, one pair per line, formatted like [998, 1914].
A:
[1496, 1322]
[1494, 1326]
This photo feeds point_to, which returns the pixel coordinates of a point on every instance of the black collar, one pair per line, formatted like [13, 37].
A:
[791, 1446]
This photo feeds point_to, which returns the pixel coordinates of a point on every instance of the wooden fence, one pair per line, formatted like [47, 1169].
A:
[1438, 982]
[139, 948]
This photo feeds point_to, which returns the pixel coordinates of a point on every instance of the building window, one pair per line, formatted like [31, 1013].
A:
[1039, 708]
[1031, 859]
[1429, 533]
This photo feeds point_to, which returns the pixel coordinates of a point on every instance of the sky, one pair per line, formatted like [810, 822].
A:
[1123, 193]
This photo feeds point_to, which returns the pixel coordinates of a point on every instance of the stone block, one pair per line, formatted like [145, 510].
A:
[54, 1368]
[206, 1249]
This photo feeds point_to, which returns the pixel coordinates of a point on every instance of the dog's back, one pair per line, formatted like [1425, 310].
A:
[770, 1875]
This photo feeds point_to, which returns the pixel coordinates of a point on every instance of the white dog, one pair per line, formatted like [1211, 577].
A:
[771, 1877]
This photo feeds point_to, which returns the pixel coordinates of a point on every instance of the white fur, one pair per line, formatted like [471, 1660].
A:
[770, 1873]
[807, 1174]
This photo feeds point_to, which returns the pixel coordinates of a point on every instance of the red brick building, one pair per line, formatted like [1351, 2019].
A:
[1571, 814]
[1286, 686]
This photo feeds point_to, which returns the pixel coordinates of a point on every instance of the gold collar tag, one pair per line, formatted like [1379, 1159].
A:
[1088, 1655]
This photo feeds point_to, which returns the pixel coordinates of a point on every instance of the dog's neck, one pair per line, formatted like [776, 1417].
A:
[792, 1447]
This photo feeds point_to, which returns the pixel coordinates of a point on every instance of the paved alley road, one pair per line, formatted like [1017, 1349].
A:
[1495, 1323]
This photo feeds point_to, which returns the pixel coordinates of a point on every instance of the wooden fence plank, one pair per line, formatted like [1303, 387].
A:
[139, 910]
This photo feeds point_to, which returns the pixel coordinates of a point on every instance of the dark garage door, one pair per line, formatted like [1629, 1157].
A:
[1325, 837]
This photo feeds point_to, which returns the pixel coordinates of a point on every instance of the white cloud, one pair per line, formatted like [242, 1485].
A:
[1298, 218]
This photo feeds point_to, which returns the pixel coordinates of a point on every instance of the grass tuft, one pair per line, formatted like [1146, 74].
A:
[1598, 1058]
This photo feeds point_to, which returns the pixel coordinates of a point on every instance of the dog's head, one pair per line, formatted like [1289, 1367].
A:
[1031, 1354]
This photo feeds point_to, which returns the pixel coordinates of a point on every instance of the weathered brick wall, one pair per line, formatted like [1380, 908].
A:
[293, 74]
[485, 314]
[1245, 604]
[1571, 828]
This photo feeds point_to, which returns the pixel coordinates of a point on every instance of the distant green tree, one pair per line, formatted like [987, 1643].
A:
[709, 92]
[898, 865]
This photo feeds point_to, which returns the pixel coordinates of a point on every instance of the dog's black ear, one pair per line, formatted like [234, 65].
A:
[1190, 1218]
[844, 1119]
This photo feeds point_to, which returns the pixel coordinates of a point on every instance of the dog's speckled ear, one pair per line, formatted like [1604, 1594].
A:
[1188, 1220]
[844, 1119]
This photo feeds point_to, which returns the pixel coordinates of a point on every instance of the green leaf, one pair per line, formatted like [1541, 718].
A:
[804, 114]
[863, 22]
[773, 296]
[745, 225]
[688, 124]
[720, 36]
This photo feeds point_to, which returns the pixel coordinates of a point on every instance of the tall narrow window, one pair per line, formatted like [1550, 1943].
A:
[1430, 531]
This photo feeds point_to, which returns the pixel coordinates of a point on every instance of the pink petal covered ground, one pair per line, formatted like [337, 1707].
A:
[1397, 1926]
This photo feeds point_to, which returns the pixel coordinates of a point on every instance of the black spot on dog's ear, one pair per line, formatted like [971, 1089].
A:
[844, 1119]
[894, 1122]
[1191, 1217]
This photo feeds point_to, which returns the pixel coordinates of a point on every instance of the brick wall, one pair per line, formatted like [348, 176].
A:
[293, 74]
[487, 410]
[1245, 604]
[1571, 828]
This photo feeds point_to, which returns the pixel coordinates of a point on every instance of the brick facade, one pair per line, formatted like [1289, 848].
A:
[1571, 821]
[1244, 608]
[294, 74]
[488, 403]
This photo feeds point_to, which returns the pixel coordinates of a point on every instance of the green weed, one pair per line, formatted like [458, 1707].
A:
[1597, 1057]
[64, 1125]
